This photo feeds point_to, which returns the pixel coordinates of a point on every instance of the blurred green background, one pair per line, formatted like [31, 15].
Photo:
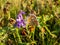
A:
[46, 33]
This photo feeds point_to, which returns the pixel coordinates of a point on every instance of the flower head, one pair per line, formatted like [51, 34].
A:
[20, 21]
[22, 12]
[32, 20]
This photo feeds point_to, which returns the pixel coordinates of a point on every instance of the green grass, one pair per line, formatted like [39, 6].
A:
[46, 33]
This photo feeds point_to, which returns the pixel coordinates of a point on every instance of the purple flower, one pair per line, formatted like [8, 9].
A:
[20, 21]
[22, 12]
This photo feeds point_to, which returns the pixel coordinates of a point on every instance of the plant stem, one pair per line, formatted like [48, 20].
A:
[17, 33]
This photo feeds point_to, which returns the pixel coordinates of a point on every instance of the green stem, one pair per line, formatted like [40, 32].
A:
[17, 33]
[33, 36]
[49, 32]
[42, 38]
